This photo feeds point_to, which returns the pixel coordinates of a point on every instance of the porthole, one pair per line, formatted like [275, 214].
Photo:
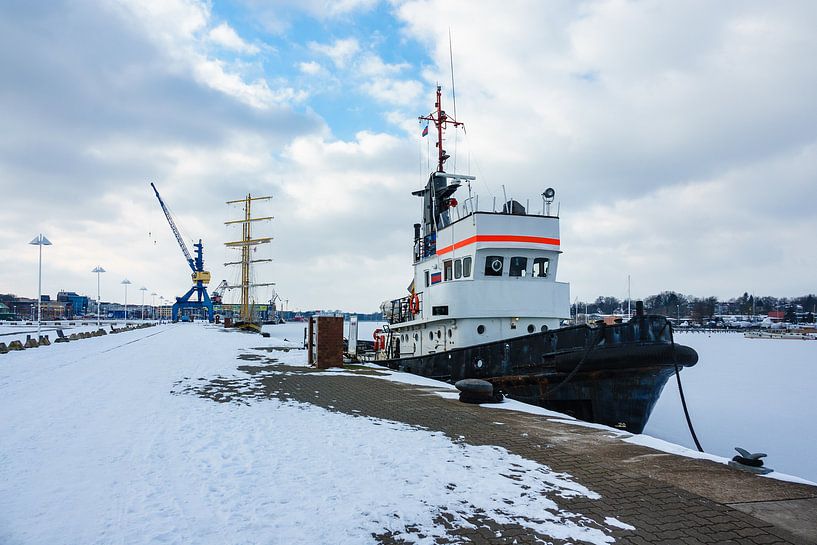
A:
[531, 328]
[480, 329]
[479, 363]
[544, 328]
[430, 335]
[450, 333]
[416, 337]
[439, 333]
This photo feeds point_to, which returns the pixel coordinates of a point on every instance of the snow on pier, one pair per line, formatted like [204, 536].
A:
[108, 440]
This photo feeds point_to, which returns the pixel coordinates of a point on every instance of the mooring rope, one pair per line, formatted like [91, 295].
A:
[681, 392]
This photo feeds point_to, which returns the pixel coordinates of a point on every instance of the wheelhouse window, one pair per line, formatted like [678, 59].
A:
[457, 269]
[440, 311]
[466, 267]
[519, 266]
[540, 267]
[493, 265]
[426, 277]
[447, 270]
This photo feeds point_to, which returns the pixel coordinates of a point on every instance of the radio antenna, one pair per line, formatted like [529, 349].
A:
[451, 62]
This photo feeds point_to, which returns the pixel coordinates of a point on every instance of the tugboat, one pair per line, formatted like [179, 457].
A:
[484, 303]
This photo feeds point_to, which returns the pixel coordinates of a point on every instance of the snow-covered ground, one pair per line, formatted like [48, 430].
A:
[752, 393]
[104, 442]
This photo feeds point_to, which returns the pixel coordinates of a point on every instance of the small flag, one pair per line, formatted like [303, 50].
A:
[425, 130]
[436, 277]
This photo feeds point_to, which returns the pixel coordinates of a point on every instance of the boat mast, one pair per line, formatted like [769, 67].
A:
[629, 298]
[245, 244]
[440, 119]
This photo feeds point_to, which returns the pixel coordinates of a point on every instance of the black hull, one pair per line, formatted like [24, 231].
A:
[611, 374]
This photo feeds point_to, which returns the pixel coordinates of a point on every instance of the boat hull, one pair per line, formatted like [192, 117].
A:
[611, 375]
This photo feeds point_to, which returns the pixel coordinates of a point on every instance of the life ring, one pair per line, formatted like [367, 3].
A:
[379, 339]
[414, 304]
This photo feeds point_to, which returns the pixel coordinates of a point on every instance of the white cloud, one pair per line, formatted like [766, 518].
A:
[312, 68]
[341, 172]
[340, 52]
[256, 94]
[394, 91]
[225, 36]
[373, 66]
[182, 29]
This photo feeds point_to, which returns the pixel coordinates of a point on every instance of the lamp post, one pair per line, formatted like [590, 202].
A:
[98, 270]
[143, 289]
[125, 282]
[40, 241]
[153, 305]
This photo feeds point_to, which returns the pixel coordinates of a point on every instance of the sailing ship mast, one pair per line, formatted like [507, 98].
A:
[245, 244]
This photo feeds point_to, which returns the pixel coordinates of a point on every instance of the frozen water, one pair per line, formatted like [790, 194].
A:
[752, 393]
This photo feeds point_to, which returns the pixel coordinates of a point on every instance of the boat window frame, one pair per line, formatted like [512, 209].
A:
[541, 259]
[514, 268]
[467, 262]
[448, 270]
[457, 269]
[490, 271]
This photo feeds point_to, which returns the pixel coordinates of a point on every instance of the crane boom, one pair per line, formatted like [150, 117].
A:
[179, 239]
[200, 277]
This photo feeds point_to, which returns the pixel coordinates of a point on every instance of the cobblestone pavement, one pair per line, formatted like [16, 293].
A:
[669, 499]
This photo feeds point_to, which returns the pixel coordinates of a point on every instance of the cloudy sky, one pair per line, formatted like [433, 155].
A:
[681, 138]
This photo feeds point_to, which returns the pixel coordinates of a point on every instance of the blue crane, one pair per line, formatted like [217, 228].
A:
[200, 277]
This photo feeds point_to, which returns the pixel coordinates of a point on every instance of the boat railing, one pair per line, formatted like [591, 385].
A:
[426, 246]
[504, 205]
[398, 311]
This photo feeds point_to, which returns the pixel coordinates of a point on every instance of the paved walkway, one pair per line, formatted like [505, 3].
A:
[669, 499]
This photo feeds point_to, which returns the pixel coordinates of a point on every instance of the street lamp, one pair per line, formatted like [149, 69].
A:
[125, 282]
[40, 241]
[153, 305]
[98, 270]
[143, 289]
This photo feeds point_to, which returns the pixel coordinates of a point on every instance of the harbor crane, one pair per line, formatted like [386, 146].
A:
[218, 293]
[200, 277]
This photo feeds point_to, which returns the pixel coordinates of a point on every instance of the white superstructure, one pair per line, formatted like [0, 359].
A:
[486, 276]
